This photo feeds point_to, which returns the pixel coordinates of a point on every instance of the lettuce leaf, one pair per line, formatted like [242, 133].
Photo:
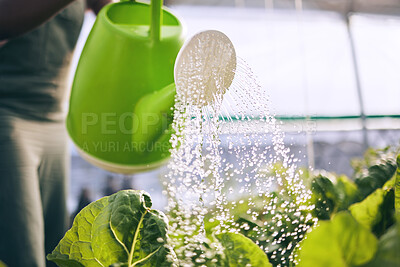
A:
[367, 212]
[241, 251]
[347, 192]
[324, 197]
[341, 242]
[119, 230]
[388, 249]
[373, 174]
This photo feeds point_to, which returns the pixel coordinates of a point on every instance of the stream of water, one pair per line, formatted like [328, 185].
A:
[206, 190]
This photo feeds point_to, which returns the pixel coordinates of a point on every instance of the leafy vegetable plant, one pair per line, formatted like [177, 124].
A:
[359, 225]
[366, 232]
[119, 230]
[356, 216]
[123, 230]
[241, 251]
[340, 242]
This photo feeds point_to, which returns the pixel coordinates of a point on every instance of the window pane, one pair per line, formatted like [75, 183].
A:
[305, 65]
[377, 42]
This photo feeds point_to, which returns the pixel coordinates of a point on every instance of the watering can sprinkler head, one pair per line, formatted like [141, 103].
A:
[204, 70]
[205, 67]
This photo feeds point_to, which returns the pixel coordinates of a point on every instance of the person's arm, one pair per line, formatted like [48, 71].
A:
[20, 16]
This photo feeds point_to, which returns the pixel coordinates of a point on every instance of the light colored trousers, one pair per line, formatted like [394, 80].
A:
[33, 189]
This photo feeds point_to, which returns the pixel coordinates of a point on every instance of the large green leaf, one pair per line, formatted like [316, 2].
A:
[377, 175]
[376, 212]
[367, 212]
[120, 229]
[388, 249]
[340, 242]
[324, 197]
[347, 192]
[241, 251]
[388, 214]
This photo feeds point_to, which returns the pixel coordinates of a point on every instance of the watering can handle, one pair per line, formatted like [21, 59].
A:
[156, 19]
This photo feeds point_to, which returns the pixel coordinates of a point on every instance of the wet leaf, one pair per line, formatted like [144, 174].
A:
[324, 197]
[340, 242]
[388, 249]
[241, 251]
[121, 229]
[347, 193]
[377, 176]
[367, 212]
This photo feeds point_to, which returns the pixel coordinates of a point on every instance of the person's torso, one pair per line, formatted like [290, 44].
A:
[34, 67]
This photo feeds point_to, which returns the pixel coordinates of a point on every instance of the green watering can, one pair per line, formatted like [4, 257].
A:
[123, 91]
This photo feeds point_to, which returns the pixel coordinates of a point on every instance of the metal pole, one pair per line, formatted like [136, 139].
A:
[308, 130]
[357, 76]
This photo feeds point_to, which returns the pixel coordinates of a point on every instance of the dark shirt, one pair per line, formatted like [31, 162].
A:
[34, 67]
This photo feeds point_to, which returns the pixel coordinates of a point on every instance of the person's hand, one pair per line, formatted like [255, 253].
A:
[97, 5]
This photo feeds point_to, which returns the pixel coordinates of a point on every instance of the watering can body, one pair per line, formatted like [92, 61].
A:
[125, 62]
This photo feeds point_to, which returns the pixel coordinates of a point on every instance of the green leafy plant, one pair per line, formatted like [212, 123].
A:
[241, 251]
[277, 221]
[374, 170]
[119, 230]
[340, 242]
[330, 197]
[332, 194]
[357, 226]
[388, 249]
[365, 235]
[366, 202]
[376, 211]
[123, 230]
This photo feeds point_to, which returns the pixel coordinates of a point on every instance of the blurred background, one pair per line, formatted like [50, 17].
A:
[330, 67]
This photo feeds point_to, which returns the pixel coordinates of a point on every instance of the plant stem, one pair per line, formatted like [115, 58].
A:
[135, 240]
[147, 257]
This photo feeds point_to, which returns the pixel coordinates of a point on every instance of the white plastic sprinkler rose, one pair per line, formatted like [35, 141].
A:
[205, 67]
